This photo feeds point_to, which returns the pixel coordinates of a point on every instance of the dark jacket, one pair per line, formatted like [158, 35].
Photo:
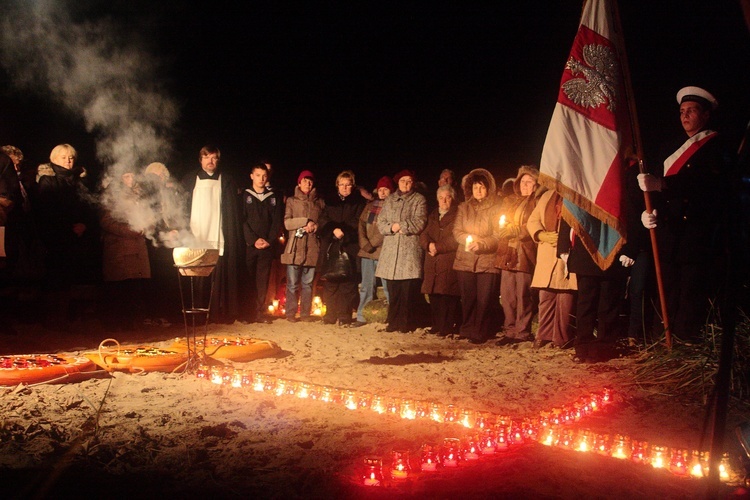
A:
[263, 216]
[439, 276]
[343, 214]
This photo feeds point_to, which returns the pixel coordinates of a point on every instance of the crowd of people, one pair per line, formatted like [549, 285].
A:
[487, 259]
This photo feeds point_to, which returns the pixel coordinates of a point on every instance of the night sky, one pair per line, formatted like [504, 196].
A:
[424, 85]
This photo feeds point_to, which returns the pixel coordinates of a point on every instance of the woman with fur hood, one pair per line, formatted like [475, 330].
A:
[516, 256]
[478, 278]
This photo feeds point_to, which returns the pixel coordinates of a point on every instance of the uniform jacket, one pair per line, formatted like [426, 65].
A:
[439, 276]
[300, 209]
[478, 219]
[550, 270]
[370, 237]
[401, 255]
[263, 216]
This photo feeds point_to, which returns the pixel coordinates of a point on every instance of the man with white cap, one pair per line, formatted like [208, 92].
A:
[691, 199]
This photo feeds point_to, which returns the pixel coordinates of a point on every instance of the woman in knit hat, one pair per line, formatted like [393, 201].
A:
[370, 244]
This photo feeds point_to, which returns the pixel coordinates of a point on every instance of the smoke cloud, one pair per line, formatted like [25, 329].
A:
[105, 75]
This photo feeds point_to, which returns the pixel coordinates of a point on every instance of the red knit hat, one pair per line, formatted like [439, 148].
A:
[385, 182]
[304, 174]
[405, 173]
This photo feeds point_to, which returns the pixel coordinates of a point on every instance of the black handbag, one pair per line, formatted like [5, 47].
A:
[338, 266]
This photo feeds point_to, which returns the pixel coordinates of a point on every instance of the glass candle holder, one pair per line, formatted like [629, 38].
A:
[259, 382]
[621, 447]
[400, 467]
[584, 441]
[280, 388]
[270, 383]
[408, 410]
[451, 453]
[549, 436]
[437, 413]
[484, 420]
[678, 462]
[501, 436]
[377, 405]
[422, 409]
[602, 446]
[326, 394]
[202, 371]
[450, 414]
[372, 474]
[472, 450]
[488, 443]
[699, 464]
[393, 406]
[467, 418]
[303, 390]
[237, 378]
[658, 457]
[567, 439]
[350, 400]
[216, 375]
[639, 453]
[516, 435]
[363, 400]
[428, 458]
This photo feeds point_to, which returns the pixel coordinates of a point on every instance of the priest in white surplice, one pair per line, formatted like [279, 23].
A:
[215, 222]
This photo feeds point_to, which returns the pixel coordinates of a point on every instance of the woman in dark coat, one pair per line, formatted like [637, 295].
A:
[68, 228]
[338, 228]
[440, 281]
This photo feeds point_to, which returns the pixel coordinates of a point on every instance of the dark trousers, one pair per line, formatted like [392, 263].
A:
[258, 270]
[598, 306]
[340, 300]
[402, 304]
[446, 313]
[688, 289]
[641, 294]
[479, 291]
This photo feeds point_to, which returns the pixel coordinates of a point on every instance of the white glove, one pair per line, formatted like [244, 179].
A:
[564, 257]
[648, 219]
[626, 261]
[648, 182]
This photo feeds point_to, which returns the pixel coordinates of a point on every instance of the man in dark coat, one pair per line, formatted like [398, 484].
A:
[691, 215]
[213, 204]
[263, 210]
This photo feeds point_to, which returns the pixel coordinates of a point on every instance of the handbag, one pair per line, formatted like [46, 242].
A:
[338, 266]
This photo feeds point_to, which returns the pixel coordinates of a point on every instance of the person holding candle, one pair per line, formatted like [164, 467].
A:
[370, 245]
[300, 255]
[516, 256]
[402, 219]
[338, 226]
[440, 281]
[478, 278]
[557, 287]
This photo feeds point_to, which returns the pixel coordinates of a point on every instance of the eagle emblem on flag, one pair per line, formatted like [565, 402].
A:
[600, 70]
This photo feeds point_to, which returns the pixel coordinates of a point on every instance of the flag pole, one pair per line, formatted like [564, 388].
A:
[639, 153]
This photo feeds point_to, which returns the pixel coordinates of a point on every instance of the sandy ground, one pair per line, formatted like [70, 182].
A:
[157, 434]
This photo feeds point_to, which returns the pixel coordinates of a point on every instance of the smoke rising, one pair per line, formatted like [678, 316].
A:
[105, 75]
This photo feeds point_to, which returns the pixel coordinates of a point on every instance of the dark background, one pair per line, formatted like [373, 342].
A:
[377, 88]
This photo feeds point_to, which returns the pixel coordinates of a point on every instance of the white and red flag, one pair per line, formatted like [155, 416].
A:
[584, 153]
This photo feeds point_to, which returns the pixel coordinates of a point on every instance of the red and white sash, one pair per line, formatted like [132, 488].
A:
[674, 163]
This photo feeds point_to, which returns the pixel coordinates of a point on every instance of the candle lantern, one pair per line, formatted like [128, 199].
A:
[698, 464]
[422, 409]
[488, 442]
[429, 458]
[216, 375]
[724, 468]
[202, 371]
[436, 412]
[602, 445]
[621, 447]
[503, 221]
[237, 378]
[585, 442]
[400, 467]
[678, 462]
[303, 390]
[556, 418]
[567, 439]
[269, 384]
[549, 436]
[639, 454]
[530, 430]
[484, 420]
[317, 307]
[450, 414]
[408, 409]
[315, 392]
[472, 448]
[326, 394]
[259, 382]
[393, 406]
[377, 405]
[658, 457]
[373, 472]
[363, 400]
[501, 437]
[516, 435]
[350, 400]
[280, 388]
[469, 239]
[451, 453]
[467, 418]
